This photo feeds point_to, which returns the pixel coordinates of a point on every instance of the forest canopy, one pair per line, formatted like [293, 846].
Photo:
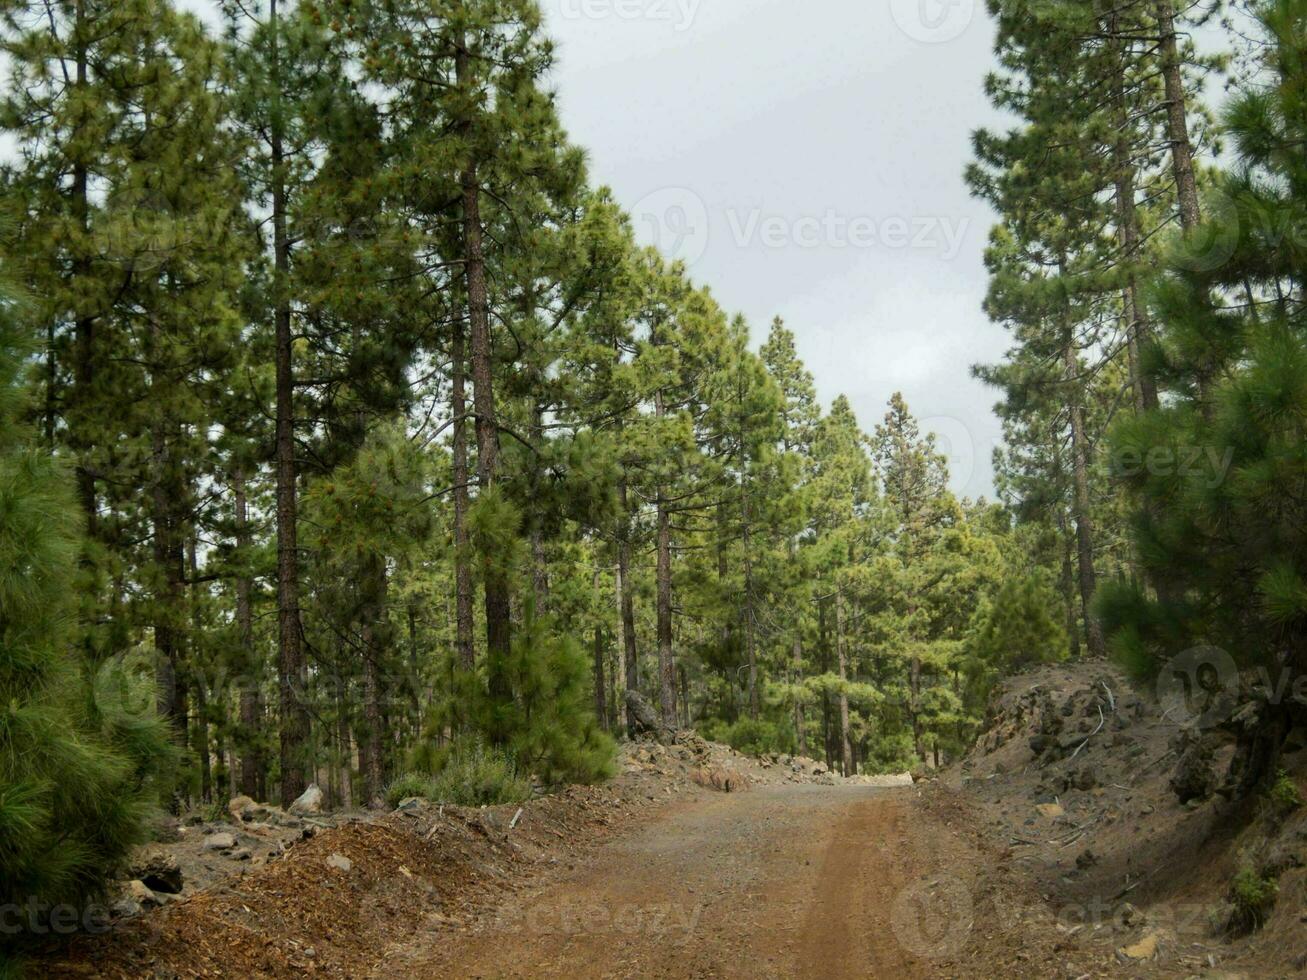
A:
[350, 435]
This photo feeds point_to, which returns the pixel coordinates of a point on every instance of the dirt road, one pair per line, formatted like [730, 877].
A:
[808, 881]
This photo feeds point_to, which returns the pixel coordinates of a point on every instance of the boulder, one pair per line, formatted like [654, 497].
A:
[143, 897]
[722, 780]
[158, 871]
[241, 808]
[1194, 776]
[220, 842]
[1145, 949]
[308, 804]
[125, 908]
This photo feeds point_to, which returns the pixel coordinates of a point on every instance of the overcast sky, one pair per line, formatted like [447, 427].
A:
[806, 159]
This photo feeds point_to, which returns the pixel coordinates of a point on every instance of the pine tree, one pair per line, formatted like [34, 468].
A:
[80, 768]
[1230, 360]
[799, 416]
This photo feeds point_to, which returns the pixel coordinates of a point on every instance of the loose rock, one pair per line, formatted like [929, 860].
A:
[309, 803]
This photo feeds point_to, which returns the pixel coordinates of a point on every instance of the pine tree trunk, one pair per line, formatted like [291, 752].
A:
[666, 665]
[290, 652]
[614, 712]
[684, 700]
[414, 665]
[201, 737]
[1177, 118]
[168, 559]
[823, 640]
[344, 746]
[372, 761]
[226, 758]
[914, 696]
[200, 674]
[539, 573]
[601, 696]
[800, 722]
[1068, 585]
[626, 603]
[251, 760]
[498, 598]
[84, 327]
[1133, 311]
[846, 746]
[750, 649]
[463, 615]
[539, 557]
[1082, 502]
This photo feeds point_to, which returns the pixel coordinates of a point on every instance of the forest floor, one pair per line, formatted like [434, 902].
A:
[698, 862]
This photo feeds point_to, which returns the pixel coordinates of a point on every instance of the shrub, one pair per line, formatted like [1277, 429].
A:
[752, 736]
[1253, 896]
[479, 775]
[1284, 794]
[409, 785]
[82, 754]
[548, 723]
[468, 773]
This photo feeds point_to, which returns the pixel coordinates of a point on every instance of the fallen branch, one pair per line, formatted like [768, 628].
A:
[1111, 698]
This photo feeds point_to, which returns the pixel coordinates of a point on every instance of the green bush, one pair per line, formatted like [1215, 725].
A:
[409, 785]
[1253, 896]
[468, 773]
[548, 723]
[752, 737]
[82, 754]
[1284, 794]
[1014, 629]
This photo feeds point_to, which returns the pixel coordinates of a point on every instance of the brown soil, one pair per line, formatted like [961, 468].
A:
[777, 882]
[783, 880]
[793, 873]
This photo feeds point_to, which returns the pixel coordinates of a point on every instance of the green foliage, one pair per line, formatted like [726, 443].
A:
[466, 773]
[1014, 629]
[1284, 794]
[1208, 473]
[411, 784]
[548, 725]
[1253, 896]
[752, 736]
[82, 758]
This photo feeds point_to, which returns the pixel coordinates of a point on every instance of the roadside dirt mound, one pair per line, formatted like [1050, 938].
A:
[265, 893]
[1076, 775]
[329, 904]
[720, 767]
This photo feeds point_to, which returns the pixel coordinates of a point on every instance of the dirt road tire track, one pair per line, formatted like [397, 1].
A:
[779, 882]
